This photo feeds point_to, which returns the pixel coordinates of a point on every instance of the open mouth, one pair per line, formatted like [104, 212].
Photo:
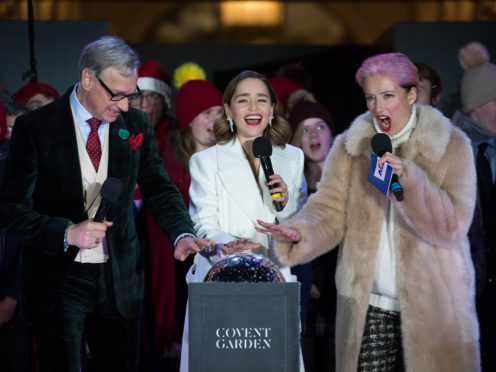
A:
[315, 146]
[253, 119]
[384, 123]
[114, 112]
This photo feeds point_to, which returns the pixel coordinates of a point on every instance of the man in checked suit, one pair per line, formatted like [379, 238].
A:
[83, 279]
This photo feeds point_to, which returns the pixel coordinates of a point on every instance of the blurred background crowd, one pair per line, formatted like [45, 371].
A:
[190, 50]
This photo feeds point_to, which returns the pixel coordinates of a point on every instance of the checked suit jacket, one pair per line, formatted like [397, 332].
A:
[42, 191]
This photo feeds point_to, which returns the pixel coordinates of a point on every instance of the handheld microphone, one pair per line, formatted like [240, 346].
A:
[262, 149]
[110, 193]
[381, 143]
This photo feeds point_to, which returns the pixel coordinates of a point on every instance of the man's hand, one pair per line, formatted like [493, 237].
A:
[7, 309]
[87, 234]
[187, 246]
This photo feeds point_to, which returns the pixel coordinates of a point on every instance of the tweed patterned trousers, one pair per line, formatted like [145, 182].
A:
[381, 349]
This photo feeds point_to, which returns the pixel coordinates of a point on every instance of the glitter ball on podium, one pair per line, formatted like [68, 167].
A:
[244, 267]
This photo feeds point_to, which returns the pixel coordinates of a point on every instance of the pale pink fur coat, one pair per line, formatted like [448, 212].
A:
[434, 271]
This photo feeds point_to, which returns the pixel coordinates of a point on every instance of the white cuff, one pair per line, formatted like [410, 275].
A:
[183, 236]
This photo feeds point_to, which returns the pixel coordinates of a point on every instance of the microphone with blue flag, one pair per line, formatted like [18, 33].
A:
[383, 178]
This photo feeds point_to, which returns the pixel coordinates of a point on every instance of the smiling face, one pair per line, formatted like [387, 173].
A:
[96, 100]
[250, 108]
[389, 103]
[202, 127]
[316, 139]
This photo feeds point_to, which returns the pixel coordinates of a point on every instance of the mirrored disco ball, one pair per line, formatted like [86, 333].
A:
[244, 267]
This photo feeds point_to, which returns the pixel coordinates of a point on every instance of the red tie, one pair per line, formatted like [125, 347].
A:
[93, 144]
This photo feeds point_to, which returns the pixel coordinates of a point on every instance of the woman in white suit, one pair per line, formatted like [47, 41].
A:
[228, 189]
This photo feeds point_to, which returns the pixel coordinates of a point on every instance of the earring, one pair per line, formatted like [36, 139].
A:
[270, 120]
[231, 123]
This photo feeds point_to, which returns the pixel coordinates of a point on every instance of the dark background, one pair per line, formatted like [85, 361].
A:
[331, 68]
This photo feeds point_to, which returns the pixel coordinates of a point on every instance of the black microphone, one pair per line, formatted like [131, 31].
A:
[381, 143]
[110, 193]
[262, 149]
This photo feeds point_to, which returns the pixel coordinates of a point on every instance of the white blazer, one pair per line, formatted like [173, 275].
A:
[226, 200]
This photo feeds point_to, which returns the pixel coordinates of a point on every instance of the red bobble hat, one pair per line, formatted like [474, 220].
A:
[284, 87]
[26, 92]
[194, 97]
[3, 121]
[152, 77]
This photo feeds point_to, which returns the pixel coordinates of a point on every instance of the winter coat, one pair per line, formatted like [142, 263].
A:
[227, 201]
[434, 272]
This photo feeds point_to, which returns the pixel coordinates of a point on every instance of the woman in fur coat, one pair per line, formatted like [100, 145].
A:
[405, 279]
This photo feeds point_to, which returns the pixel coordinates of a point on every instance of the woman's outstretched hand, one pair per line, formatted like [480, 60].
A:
[239, 245]
[280, 233]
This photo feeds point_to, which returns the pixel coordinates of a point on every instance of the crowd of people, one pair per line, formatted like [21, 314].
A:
[377, 274]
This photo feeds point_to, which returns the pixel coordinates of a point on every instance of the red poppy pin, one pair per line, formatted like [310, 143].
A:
[135, 141]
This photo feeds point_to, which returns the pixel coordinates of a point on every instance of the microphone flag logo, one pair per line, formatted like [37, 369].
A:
[379, 177]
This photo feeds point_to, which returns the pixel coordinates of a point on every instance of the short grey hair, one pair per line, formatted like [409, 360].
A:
[109, 51]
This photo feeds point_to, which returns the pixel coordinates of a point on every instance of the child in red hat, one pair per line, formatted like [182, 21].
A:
[198, 105]
[35, 95]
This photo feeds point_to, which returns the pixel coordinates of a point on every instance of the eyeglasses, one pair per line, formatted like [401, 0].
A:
[119, 96]
[151, 98]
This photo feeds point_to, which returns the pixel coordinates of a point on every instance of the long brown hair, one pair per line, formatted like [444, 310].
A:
[187, 146]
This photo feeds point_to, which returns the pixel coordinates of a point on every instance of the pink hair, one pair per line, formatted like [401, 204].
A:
[395, 65]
